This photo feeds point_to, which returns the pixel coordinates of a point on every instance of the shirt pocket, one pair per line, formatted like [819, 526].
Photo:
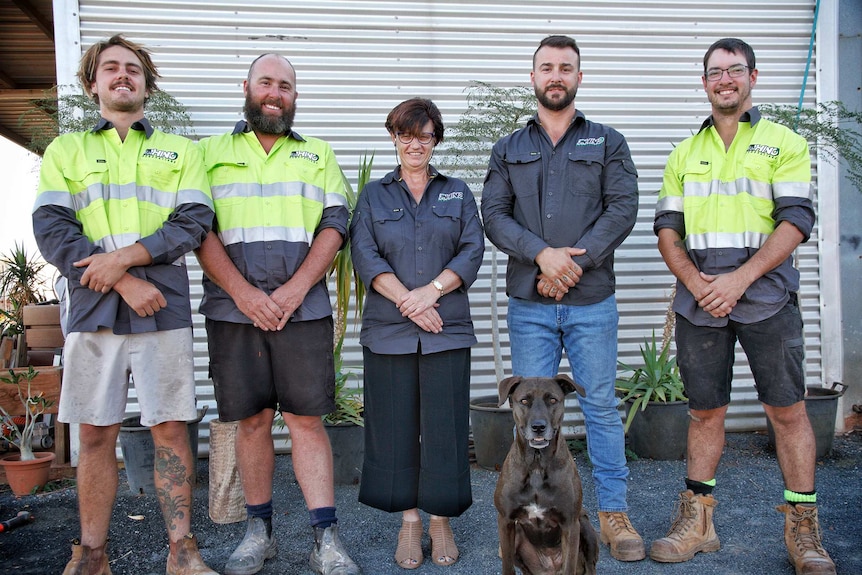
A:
[389, 230]
[81, 177]
[446, 224]
[160, 175]
[525, 173]
[586, 166]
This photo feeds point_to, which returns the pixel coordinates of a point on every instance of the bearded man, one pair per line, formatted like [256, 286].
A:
[281, 217]
[560, 195]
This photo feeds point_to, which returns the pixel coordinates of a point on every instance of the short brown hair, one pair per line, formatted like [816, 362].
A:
[411, 115]
[90, 61]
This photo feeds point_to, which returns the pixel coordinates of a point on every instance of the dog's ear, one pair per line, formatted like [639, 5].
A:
[506, 387]
[568, 385]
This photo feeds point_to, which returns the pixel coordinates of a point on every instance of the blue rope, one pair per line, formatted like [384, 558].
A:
[807, 63]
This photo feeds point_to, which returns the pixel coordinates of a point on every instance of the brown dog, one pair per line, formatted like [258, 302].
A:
[543, 528]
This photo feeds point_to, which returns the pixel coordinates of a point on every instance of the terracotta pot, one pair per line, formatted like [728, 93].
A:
[25, 476]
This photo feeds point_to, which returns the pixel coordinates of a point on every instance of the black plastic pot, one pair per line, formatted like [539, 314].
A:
[821, 403]
[660, 431]
[493, 431]
[348, 451]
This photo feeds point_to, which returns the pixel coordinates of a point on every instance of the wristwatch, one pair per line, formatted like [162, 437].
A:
[438, 285]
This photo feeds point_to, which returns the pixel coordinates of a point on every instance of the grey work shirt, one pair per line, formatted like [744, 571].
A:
[580, 193]
[391, 233]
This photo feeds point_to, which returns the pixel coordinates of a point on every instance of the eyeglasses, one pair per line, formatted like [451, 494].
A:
[405, 138]
[735, 71]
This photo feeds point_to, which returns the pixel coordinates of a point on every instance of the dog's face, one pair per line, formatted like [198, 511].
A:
[537, 405]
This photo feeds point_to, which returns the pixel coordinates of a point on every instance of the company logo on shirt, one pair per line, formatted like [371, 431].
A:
[452, 196]
[161, 154]
[590, 141]
[305, 155]
[763, 150]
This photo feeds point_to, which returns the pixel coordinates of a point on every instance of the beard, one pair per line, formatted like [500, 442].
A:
[266, 124]
[556, 105]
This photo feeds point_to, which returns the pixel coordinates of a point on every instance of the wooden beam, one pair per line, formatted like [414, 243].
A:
[23, 94]
[44, 25]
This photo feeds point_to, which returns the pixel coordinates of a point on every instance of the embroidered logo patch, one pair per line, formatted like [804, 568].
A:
[452, 196]
[590, 141]
[305, 155]
[763, 150]
[166, 155]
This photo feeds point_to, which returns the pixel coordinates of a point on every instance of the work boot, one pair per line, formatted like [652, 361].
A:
[185, 559]
[802, 537]
[329, 556]
[692, 530]
[87, 560]
[617, 532]
[255, 548]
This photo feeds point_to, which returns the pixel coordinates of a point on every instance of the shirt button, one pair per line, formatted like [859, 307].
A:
[548, 216]
[419, 248]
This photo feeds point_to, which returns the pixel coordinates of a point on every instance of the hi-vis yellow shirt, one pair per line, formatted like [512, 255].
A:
[98, 193]
[726, 203]
[269, 207]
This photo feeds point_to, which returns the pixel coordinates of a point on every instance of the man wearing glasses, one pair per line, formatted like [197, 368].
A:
[734, 205]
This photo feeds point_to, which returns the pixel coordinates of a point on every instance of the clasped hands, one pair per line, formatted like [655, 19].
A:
[420, 306]
[559, 272]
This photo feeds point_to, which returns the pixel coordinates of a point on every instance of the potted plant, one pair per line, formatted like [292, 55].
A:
[655, 390]
[492, 112]
[25, 471]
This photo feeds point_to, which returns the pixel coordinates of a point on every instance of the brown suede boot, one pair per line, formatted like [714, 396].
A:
[616, 531]
[185, 559]
[802, 537]
[87, 560]
[691, 532]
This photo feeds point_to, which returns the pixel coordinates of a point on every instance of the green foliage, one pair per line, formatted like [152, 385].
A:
[829, 127]
[20, 284]
[657, 380]
[34, 406]
[492, 112]
[348, 400]
[77, 113]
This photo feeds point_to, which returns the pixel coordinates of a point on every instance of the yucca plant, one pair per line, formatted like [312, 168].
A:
[657, 380]
[20, 284]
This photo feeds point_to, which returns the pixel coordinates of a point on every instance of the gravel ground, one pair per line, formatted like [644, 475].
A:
[749, 487]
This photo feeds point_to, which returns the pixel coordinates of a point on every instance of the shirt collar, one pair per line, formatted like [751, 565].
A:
[142, 125]
[395, 175]
[578, 117]
[752, 116]
[242, 127]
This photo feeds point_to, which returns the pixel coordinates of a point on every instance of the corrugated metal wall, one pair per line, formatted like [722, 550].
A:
[355, 60]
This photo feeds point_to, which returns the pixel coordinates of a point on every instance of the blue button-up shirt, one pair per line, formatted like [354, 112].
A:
[392, 233]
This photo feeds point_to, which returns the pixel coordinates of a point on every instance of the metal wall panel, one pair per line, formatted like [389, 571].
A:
[356, 59]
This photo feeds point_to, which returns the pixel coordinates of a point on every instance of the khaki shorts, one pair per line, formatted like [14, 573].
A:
[96, 369]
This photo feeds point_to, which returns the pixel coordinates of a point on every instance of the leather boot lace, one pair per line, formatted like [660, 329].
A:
[806, 531]
[685, 518]
[620, 523]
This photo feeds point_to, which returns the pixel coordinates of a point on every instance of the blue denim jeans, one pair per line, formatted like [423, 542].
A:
[538, 333]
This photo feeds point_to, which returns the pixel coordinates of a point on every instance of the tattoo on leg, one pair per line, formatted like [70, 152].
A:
[173, 508]
[169, 467]
[171, 476]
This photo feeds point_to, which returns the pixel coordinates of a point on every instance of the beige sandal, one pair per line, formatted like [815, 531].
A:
[443, 549]
[408, 555]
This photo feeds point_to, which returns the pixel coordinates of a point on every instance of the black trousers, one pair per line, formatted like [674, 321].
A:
[417, 423]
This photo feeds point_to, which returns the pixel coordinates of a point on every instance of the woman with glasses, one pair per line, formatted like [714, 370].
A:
[417, 244]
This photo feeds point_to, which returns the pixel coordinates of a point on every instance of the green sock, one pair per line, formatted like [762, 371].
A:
[795, 497]
[700, 487]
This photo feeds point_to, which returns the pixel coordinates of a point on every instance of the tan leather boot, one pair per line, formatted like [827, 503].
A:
[691, 532]
[617, 532]
[802, 537]
[185, 559]
[87, 560]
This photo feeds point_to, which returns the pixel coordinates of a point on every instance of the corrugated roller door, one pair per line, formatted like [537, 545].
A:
[356, 60]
